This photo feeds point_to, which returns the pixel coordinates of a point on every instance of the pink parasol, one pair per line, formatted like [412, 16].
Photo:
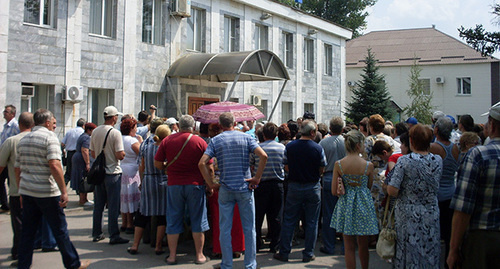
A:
[210, 113]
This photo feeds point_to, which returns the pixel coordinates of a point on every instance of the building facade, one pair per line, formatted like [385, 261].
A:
[460, 79]
[118, 53]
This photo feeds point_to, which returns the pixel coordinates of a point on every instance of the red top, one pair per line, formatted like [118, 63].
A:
[394, 158]
[184, 171]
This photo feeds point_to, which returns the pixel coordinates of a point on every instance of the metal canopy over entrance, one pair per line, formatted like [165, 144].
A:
[257, 65]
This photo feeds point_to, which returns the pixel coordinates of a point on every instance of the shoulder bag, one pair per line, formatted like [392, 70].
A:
[179, 153]
[97, 172]
[386, 243]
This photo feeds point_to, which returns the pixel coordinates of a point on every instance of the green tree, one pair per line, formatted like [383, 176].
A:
[348, 13]
[370, 95]
[421, 98]
[480, 39]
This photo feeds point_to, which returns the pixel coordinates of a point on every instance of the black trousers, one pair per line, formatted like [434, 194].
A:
[269, 203]
[16, 222]
[69, 162]
[3, 191]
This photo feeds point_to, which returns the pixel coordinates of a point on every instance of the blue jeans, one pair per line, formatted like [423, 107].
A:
[178, 196]
[305, 196]
[328, 202]
[246, 204]
[44, 237]
[33, 209]
[108, 191]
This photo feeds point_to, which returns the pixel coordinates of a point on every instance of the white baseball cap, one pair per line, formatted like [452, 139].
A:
[171, 121]
[111, 111]
[494, 112]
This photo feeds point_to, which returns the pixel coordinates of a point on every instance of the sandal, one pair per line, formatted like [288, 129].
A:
[132, 251]
[207, 259]
[170, 263]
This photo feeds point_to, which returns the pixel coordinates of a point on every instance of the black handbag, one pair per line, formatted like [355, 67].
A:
[97, 172]
[84, 186]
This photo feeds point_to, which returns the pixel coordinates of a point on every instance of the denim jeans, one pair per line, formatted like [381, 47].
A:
[33, 209]
[192, 196]
[44, 237]
[306, 196]
[246, 204]
[328, 202]
[108, 191]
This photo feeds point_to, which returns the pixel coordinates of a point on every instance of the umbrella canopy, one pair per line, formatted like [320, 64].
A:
[210, 113]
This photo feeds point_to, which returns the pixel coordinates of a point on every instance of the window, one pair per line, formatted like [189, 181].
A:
[308, 55]
[43, 97]
[426, 85]
[261, 36]
[40, 12]
[308, 107]
[102, 17]
[150, 98]
[287, 49]
[196, 30]
[328, 69]
[463, 86]
[98, 99]
[231, 33]
[286, 111]
[152, 18]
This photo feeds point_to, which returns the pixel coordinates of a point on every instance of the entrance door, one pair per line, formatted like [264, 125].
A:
[195, 102]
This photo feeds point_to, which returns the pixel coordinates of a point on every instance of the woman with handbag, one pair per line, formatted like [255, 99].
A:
[81, 163]
[354, 215]
[415, 184]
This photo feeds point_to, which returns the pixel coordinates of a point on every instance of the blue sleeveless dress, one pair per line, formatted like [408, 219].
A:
[354, 213]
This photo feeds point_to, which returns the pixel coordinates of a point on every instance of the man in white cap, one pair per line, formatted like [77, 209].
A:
[475, 233]
[173, 124]
[109, 190]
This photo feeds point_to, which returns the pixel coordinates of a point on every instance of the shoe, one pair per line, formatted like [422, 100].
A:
[170, 263]
[50, 249]
[98, 238]
[278, 257]
[119, 240]
[88, 203]
[129, 231]
[132, 251]
[14, 264]
[325, 251]
[159, 252]
[207, 259]
[236, 255]
[84, 264]
[308, 259]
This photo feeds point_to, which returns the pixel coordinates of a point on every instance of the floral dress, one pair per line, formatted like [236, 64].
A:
[354, 213]
[418, 243]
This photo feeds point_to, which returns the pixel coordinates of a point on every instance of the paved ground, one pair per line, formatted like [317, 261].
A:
[103, 255]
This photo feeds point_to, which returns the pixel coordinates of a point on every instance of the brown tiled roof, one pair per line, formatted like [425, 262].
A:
[400, 47]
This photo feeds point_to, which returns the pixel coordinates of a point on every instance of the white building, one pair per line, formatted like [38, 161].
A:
[461, 80]
[118, 53]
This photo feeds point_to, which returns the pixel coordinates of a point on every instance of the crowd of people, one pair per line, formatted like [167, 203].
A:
[222, 180]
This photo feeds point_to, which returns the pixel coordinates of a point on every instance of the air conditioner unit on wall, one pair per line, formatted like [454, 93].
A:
[27, 91]
[351, 83]
[440, 80]
[256, 100]
[181, 8]
[73, 94]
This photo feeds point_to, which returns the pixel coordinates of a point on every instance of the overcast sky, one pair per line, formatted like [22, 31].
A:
[447, 15]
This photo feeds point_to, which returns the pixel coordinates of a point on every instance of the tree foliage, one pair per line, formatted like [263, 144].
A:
[348, 13]
[370, 95]
[480, 39]
[421, 103]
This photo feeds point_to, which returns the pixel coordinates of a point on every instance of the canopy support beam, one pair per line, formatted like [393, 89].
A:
[232, 87]
[174, 97]
[277, 100]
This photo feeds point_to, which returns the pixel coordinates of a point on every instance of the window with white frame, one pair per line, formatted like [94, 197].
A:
[97, 100]
[150, 98]
[41, 96]
[261, 36]
[287, 49]
[231, 33]
[309, 107]
[426, 85]
[196, 30]
[40, 12]
[102, 17]
[309, 54]
[152, 22]
[464, 86]
[328, 68]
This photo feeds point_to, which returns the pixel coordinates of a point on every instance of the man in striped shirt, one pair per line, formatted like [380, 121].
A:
[269, 194]
[232, 150]
[41, 184]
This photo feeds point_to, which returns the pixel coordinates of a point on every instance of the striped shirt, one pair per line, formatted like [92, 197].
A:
[34, 152]
[10, 128]
[232, 150]
[274, 166]
[478, 186]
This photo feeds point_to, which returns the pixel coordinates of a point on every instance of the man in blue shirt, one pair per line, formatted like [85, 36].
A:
[10, 128]
[232, 150]
[305, 161]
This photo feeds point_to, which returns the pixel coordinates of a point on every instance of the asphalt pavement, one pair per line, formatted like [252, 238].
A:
[104, 255]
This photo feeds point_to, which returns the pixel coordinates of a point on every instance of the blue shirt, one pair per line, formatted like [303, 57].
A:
[274, 166]
[232, 150]
[304, 158]
[71, 137]
[478, 186]
[10, 128]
